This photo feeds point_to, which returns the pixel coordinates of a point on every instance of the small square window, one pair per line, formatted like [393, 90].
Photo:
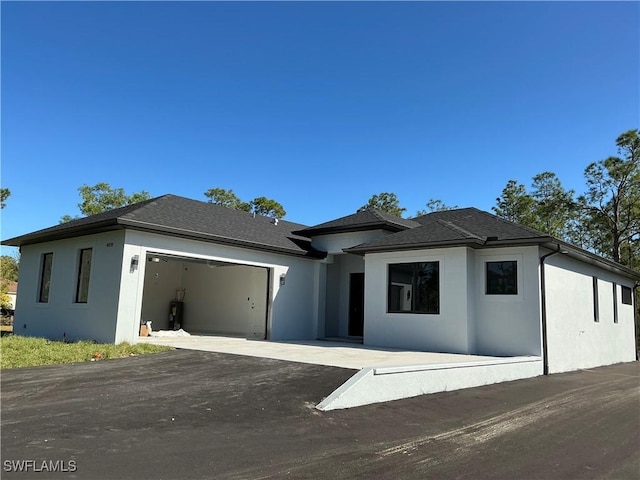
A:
[626, 296]
[502, 278]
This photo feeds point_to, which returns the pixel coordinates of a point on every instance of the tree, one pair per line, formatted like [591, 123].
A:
[385, 202]
[259, 205]
[8, 274]
[554, 206]
[5, 299]
[9, 268]
[605, 219]
[580, 230]
[434, 205]
[4, 194]
[515, 204]
[548, 208]
[101, 197]
[226, 198]
[267, 207]
[67, 218]
[612, 200]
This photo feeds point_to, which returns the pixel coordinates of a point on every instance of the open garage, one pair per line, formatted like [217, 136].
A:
[205, 296]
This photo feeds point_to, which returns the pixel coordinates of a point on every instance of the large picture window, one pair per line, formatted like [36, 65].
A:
[502, 278]
[84, 272]
[45, 277]
[414, 288]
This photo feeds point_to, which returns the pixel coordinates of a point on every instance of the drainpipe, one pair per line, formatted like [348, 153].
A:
[543, 301]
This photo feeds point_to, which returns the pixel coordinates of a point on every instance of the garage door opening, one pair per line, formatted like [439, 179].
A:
[217, 298]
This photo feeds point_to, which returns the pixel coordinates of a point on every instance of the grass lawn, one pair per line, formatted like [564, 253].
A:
[17, 351]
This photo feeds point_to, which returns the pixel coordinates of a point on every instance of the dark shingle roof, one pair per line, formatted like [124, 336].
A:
[482, 224]
[478, 229]
[184, 217]
[465, 226]
[369, 219]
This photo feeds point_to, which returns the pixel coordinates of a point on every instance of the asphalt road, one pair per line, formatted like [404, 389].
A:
[200, 415]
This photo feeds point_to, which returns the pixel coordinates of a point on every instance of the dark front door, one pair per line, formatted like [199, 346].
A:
[356, 305]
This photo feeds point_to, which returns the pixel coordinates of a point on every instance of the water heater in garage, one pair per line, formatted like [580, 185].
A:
[176, 315]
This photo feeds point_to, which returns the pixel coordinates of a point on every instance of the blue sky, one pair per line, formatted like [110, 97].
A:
[318, 105]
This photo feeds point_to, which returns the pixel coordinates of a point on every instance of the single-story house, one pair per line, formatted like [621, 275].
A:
[457, 281]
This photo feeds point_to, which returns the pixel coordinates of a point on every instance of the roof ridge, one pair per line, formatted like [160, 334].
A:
[143, 204]
[437, 212]
[537, 233]
[457, 228]
[392, 217]
[217, 206]
[509, 222]
[376, 213]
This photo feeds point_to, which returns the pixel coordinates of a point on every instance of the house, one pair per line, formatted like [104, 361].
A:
[458, 281]
[12, 294]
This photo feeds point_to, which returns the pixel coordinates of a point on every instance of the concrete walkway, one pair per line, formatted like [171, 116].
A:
[319, 352]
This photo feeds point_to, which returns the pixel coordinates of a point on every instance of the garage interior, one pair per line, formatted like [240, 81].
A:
[206, 296]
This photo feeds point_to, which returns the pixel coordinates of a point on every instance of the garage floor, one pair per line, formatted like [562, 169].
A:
[318, 352]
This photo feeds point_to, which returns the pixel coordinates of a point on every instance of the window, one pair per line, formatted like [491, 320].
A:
[502, 278]
[626, 296]
[596, 313]
[84, 271]
[615, 304]
[45, 277]
[414, 288]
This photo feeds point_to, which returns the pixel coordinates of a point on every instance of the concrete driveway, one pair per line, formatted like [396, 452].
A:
[201, 415]
[317, 352]
[384, 374]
